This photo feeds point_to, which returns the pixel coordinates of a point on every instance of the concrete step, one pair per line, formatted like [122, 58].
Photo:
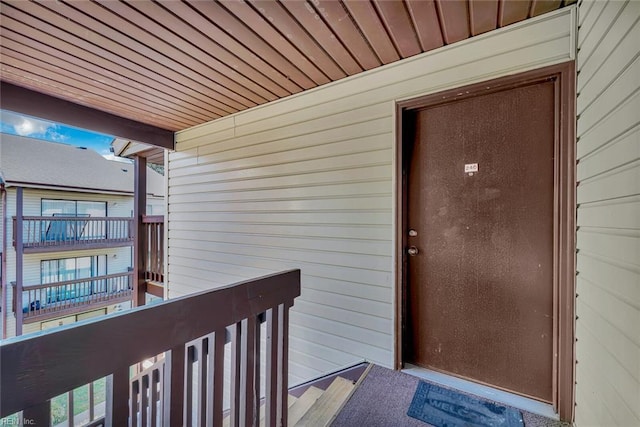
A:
[327, 406]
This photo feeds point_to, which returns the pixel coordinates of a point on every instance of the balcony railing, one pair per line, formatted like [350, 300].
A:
[42, 233]
[153, 261]
[51, 300]
[188, 386]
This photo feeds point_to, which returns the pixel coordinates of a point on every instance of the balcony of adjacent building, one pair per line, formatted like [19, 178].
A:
[60, 232]
[65, 291]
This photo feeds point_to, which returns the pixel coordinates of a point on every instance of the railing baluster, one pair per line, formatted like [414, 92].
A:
[236, 369]
[117, 410]
[272, 402]
[215, 379]
[134, 399]
[92, 403]
[156, 384]
[203, 365]
[191, 358]
[144, 400]
[249, 381]
[174, 387]
[70, 404]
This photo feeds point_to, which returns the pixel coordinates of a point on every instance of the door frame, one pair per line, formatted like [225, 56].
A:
[564, 270]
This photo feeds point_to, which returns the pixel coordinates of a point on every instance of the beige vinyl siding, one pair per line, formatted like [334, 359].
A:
[608, 237]
[308, 182]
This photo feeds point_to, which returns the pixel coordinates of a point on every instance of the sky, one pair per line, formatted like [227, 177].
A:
[18, 124]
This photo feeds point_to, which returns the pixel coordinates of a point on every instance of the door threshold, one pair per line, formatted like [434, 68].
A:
[526, 404]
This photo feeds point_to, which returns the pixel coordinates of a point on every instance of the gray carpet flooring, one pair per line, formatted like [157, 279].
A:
[384, 396]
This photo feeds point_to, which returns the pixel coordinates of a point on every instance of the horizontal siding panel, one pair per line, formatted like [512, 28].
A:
[327, 119]
[333, 129]
[618, 214]
[212, 267]
[620, 315]
[338, 231]
[352, 335]
[354, 203]
[586, 7]
[337, 163]
[256, 145]
[357, 319]
[619, 152]
[622, 120]
[615, 388]
[204, 130]
[596, 8]
[624, 350]
[336, 357]
[350, 176]
[612, 97]
[621, 246]
[599, 268]
[375, 188]
[334, 342]
[213, 279]
[618, 183]
[329, 218]
[614, 52]
[363, 247]
[371, 262]
[342, 287]
[319, 365]
[352, 145]
[326, 158]
[598, 29]
[373, 315]
[311, 269]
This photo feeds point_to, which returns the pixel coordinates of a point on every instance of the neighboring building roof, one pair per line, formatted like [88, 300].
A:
[30, 162]
[126, 148]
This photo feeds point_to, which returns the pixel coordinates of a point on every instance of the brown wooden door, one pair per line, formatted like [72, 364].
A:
[480, 288]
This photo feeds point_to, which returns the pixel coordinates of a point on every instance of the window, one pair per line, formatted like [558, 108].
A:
[66, 269]
[61, 270]
[52, 207]
[67, 230]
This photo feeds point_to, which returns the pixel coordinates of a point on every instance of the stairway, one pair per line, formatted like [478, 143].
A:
[320, 407]
[315, 407]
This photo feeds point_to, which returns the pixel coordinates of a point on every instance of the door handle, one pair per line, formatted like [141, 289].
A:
[412, 251]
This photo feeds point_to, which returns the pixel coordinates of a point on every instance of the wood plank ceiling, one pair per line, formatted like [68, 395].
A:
[175, 64]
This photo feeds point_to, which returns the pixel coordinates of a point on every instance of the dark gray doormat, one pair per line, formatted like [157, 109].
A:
[444, 407]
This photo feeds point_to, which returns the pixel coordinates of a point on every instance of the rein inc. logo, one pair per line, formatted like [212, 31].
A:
[16, 421]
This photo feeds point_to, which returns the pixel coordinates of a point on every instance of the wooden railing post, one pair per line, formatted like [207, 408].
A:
[18, 237]
[139, 210]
